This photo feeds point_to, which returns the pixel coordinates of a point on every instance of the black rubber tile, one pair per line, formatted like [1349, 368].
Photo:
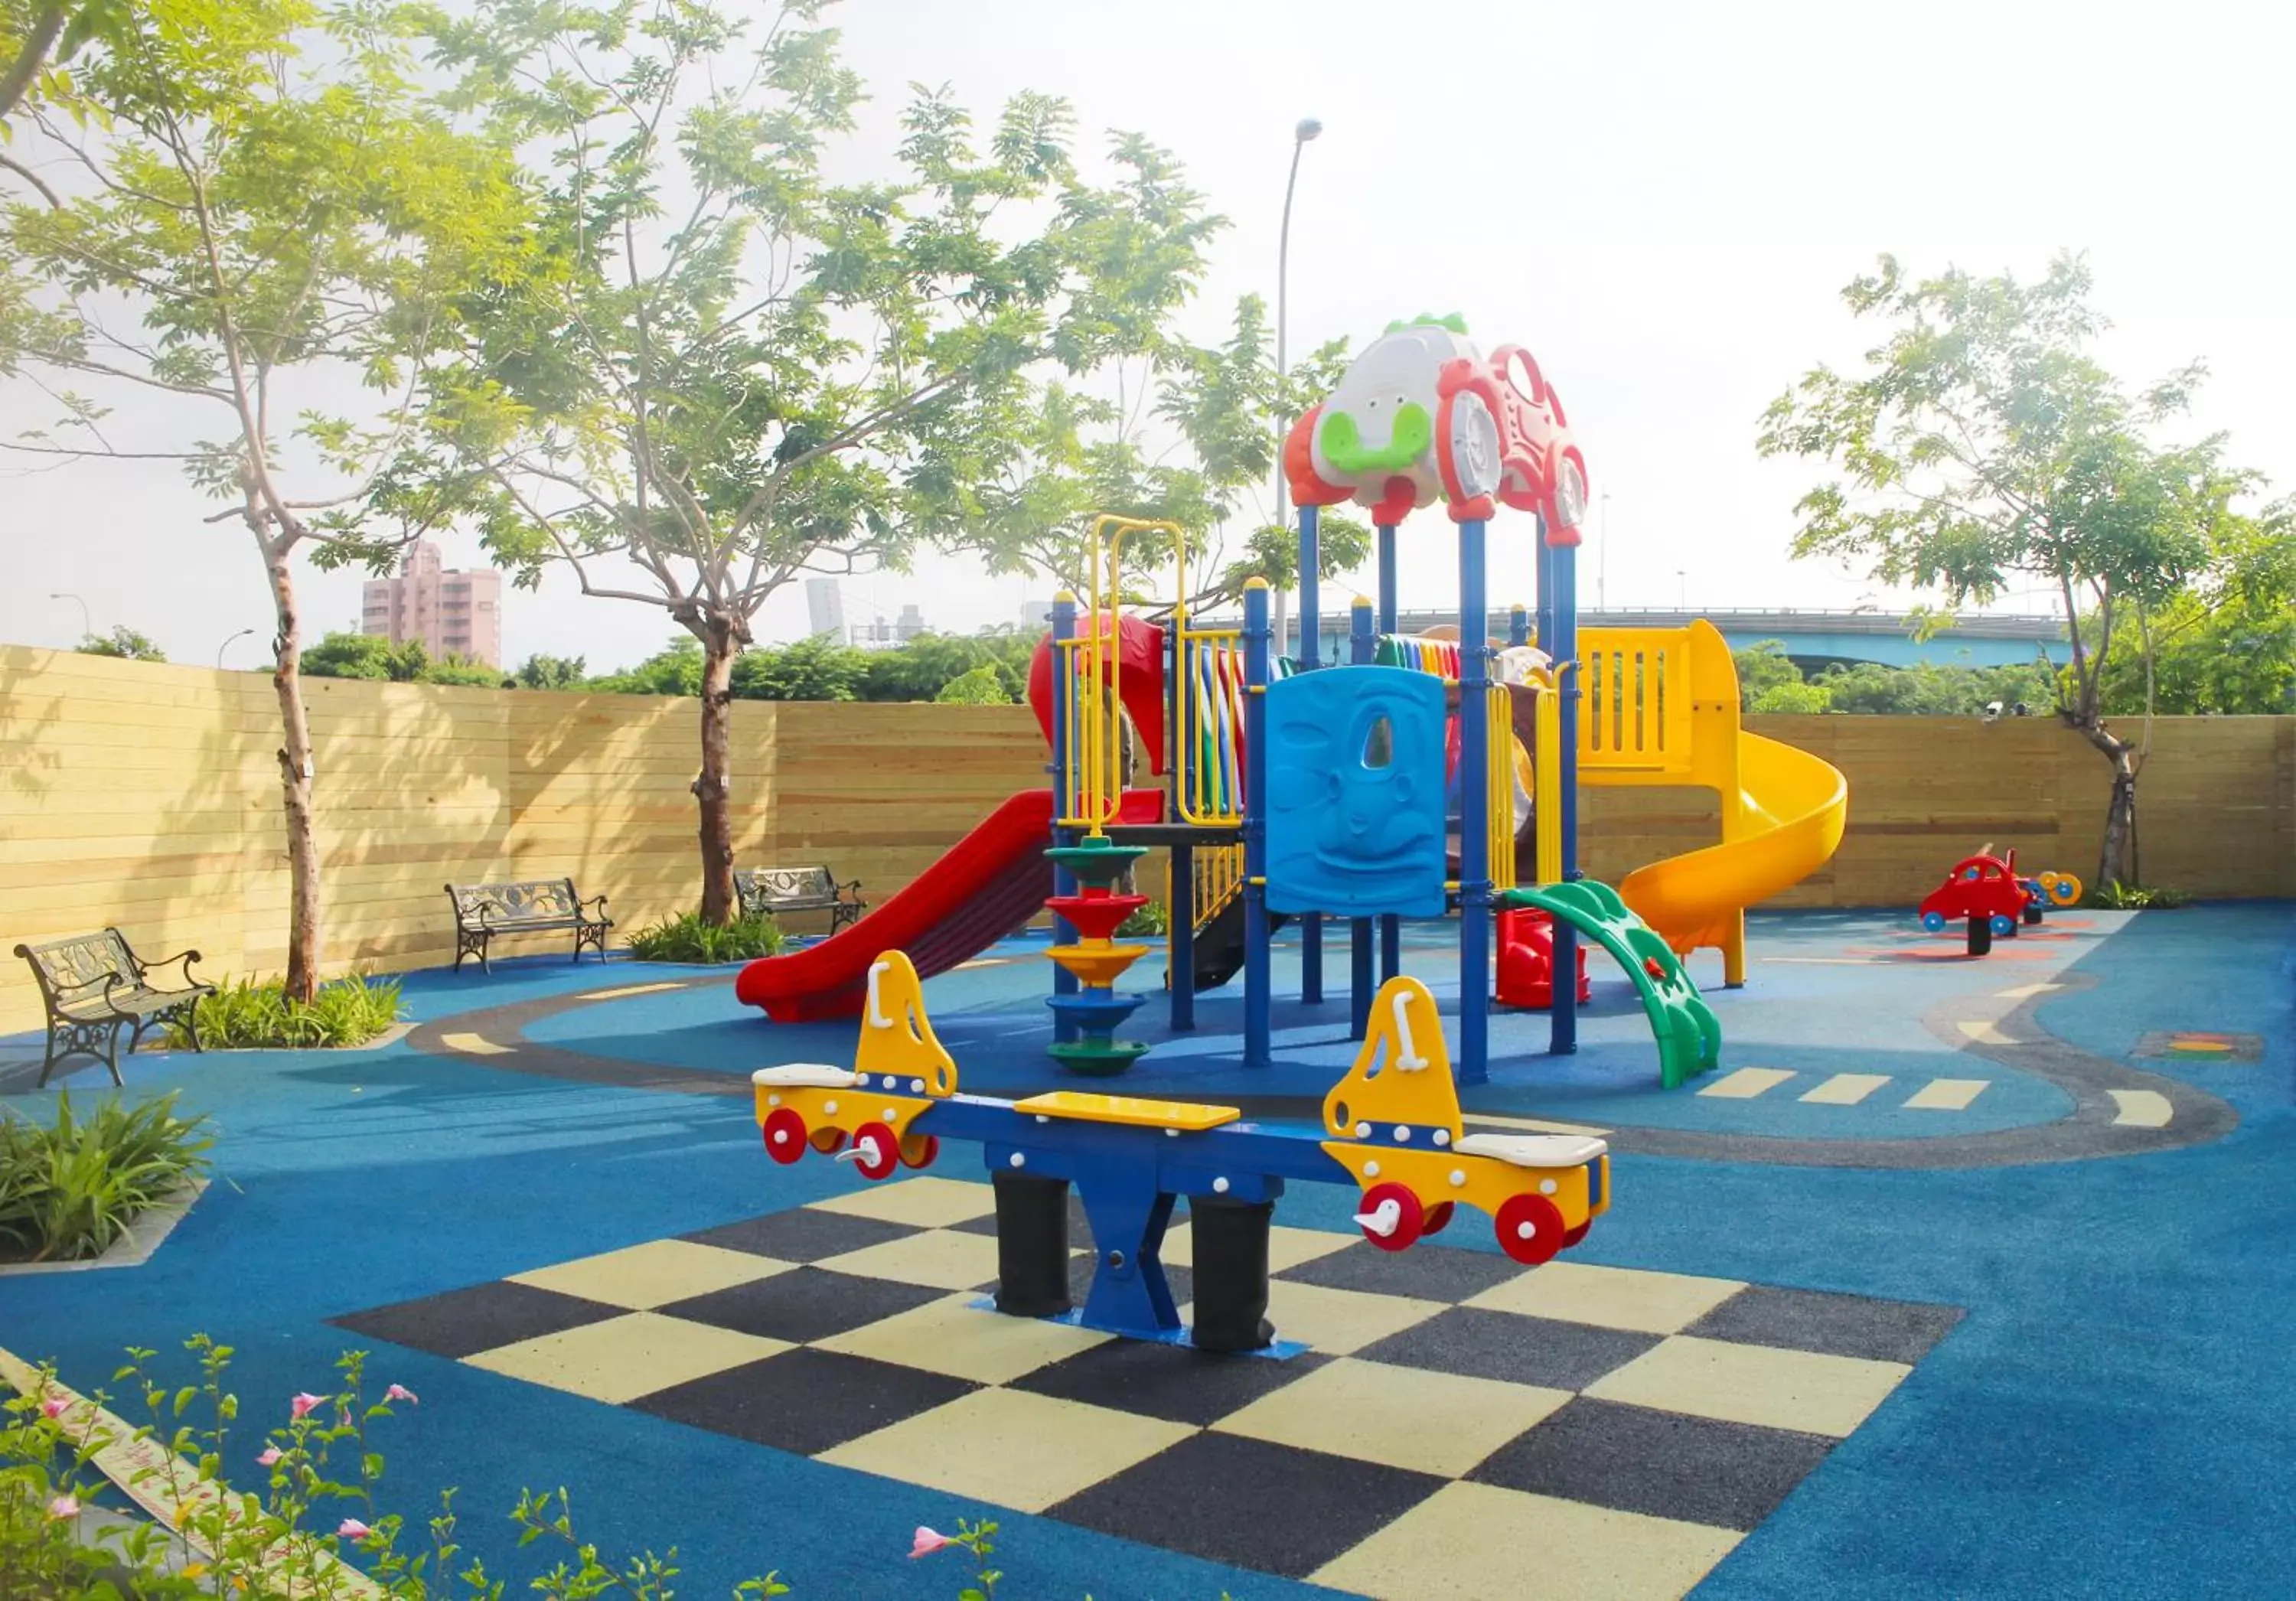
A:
[1513, 1349]
[1425, 1272]
[804, 1400]
[800, 1235]
[803, 1304]
[1249, 1503]
[463, 1323]
[1840, 1325]
[1176, 1383]
[1729, 1476]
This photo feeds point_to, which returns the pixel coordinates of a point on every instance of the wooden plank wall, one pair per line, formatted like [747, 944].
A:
[147, 796]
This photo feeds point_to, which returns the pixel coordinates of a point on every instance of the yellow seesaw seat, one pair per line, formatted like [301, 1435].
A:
[1083, 1106]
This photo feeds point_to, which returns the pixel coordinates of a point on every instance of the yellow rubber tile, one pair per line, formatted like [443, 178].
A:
[1407, 1417]
[473, 1045]
[1009, 1447]
[654, 1274]
[1286, 1247]
[921, 1203]
[1948, 1095]
[1846, 1089]
[626, 992]
[941, 1259]
[1339, 1321]
[1985, 1032]
[1753, 1383]
[1477, 1542]
[1746, 1083]
[965, 1341]
[2142, 1108]
[626, 1356]
[1627, 1298]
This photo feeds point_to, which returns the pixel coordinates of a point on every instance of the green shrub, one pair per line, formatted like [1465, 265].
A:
[2117, 897]
[688, 939]
[251, 1016]
[1150, 920]
[68, 1191]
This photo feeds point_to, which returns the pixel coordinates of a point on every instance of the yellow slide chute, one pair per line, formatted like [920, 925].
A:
[1660, 707]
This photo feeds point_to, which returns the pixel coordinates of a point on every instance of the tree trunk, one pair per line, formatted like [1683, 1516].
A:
[2116, 861]
[295, 778]
[711, 789]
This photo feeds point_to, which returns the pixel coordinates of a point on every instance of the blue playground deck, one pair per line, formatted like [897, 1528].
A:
[2054, 1180]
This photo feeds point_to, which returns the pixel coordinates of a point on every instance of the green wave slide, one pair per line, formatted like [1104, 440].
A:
[1689, 1035]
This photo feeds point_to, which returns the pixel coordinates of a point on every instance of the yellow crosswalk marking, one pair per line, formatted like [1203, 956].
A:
[1987, 1033]
[1846, 1089]
[1746, 1083]
[630, 989]
[470, 1045]
[2026, 991]
[2142, 1108]
[1948, 1095]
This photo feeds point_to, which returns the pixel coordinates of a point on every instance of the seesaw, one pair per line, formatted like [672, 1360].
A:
[1391, 1128]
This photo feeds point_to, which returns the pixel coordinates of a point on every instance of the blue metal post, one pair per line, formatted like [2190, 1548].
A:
[1561, 644]
[1256, 976]
[1391, 927]
[1361, 643]
[1311, 657]
[1064, 621]
[1474, 807]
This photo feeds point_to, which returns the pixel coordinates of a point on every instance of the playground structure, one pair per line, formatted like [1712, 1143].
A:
[1390, 1126]
[1408, 783]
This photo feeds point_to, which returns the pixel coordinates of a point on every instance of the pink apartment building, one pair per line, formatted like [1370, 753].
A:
[453, 613]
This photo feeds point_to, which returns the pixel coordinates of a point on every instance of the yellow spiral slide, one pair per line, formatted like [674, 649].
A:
[1659, 707]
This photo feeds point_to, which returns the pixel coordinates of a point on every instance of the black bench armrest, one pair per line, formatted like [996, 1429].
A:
[185, 957]
[596, 900]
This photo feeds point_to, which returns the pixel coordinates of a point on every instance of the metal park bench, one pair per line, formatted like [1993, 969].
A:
[776, 891]
[94, 985]
[532, 906]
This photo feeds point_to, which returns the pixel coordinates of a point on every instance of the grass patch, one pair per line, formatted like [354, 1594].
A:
[69, 1189]
[1150, 920]
[688, 939]
[2113, 896]
[251, 1016]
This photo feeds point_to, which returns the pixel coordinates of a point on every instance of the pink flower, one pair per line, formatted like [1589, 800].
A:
[352, 1529]
[270, 1455]
[54, 1405]
[401, 1393]
[63, 1506]
[928, 1542]
[304, 1404]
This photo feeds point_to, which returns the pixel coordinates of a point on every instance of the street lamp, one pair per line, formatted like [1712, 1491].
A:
[1305, 129]
[227, 644]
[87, 625]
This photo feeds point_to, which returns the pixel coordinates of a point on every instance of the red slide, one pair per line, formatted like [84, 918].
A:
[988, 884]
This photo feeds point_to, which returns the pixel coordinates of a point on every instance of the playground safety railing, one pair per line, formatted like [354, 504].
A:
[1499, 785]
[1207, 725]
[1093, 742]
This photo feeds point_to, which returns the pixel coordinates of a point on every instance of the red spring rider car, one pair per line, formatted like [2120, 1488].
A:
[1986, 890]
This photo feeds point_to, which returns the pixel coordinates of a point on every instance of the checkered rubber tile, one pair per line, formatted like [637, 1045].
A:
[1630, 1426]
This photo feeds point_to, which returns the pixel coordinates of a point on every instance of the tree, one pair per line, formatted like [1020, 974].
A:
[675, 670]
[552, 672]
[735, 371]
[343, 655]
[263, 186]
[123, 642]
[811, 669]
[2228, 644]
[920, 669]
[979, 688]
[1982, 441]
[1763, 666]
[39, 37]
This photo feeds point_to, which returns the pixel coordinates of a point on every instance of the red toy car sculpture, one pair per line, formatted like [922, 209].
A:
[1986, 890]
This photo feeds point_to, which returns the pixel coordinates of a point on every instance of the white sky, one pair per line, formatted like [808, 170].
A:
[1660, 199]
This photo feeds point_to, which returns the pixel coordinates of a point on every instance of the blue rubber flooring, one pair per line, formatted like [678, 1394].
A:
[2111, 1418]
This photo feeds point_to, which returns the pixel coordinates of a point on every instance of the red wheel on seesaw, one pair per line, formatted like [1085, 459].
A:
[828, 1141]
[784, 1134]
[1391, 1217]
[919, 1150]
[1529, 1228]
[1572, 1237]
[877, 1151]
[1438, 1216]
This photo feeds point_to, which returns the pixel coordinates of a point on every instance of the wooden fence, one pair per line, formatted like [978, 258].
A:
[147, 796]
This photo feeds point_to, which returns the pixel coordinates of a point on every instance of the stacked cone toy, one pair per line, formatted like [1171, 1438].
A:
[1095, 911]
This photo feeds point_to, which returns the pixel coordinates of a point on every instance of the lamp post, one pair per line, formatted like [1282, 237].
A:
[87, 624]
[227, 644]
[1305, 129]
